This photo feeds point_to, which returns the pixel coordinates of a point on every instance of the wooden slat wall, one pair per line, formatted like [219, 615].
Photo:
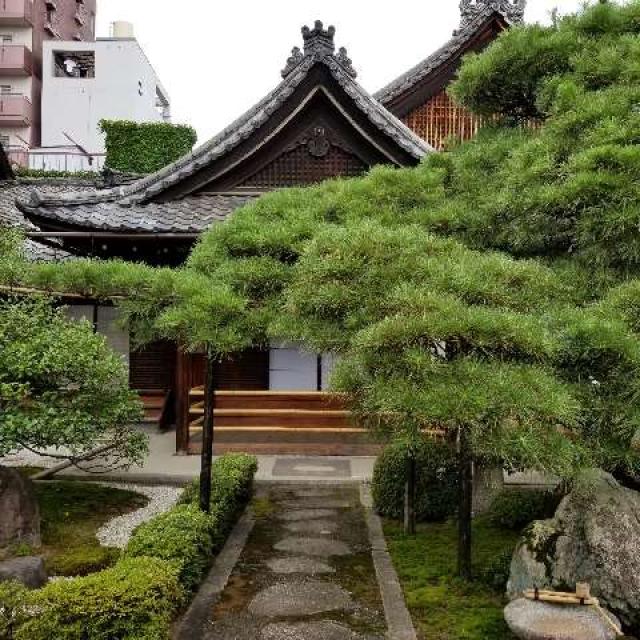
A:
[153, 367]
[442, 119]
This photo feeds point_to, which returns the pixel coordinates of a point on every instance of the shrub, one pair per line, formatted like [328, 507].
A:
[135, 600]
[436, 481]
[496, 573]
[13, 604]
[517, 508]
[184, 536]
[134, 147]
[231, 486]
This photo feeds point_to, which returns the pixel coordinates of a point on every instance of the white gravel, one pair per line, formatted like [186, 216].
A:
[116, 532]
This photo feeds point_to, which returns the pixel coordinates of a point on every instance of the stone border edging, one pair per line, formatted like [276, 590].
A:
[192, 624]
[399, 623]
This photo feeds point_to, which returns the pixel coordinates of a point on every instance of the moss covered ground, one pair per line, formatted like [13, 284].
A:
[444, 607]
[71, 514]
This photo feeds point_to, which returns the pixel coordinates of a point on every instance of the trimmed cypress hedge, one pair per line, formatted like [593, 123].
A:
[134, 147]
[163, 562]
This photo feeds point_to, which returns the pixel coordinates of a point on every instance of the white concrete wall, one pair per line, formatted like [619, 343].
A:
[124, 88]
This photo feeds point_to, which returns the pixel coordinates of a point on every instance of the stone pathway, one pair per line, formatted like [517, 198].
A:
[306, 572]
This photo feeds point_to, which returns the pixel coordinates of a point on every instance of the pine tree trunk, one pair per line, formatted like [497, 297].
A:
[465, 466]
[410, 495]
[206, 458]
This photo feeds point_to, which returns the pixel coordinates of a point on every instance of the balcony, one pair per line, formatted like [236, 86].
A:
[15, 60]
[16, 110]
[16, 13]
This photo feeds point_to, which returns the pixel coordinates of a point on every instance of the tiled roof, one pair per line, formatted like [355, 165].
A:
[468, 29]
[11, 216]
[128, 208]
[192, 214]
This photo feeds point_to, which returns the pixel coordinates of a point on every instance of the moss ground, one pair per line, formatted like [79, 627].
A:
[71, 514]
[444, 607]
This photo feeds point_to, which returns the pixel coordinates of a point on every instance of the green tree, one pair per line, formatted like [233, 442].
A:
[63, 391]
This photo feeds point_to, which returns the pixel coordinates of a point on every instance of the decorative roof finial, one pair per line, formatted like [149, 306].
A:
[512, 10]
[318, 43]
[318, 40]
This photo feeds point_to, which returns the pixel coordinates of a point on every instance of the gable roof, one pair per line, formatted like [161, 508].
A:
[151, 203]
[475, 18]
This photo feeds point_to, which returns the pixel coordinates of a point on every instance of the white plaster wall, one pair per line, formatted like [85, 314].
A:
[108, 326]
[76, 105]
[117, 338]
[291, 368]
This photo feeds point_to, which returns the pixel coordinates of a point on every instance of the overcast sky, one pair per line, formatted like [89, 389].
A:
[217, 58]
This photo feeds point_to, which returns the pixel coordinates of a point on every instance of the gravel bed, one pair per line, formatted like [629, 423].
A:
[116, 532]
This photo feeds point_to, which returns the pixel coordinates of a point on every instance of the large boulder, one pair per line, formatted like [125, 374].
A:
[594, 537]
[20, 521]
[29, 571]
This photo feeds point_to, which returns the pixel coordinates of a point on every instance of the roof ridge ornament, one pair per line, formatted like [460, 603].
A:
[512, 10]
[318, 43]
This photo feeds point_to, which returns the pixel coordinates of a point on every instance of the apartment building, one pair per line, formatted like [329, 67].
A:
[25, 25]
[85, 82]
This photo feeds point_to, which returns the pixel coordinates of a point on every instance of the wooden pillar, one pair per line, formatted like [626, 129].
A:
[182, 402]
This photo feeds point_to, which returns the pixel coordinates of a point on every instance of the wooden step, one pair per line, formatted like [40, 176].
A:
[300, 418]
[293, 449]
[271, 399]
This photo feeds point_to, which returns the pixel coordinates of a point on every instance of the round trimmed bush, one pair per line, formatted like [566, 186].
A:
[517, 508]
[436, 481]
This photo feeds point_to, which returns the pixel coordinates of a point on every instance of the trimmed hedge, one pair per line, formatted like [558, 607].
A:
[164, 561]
[518, 508]
[231, 486]
[13, 607]
[135, 599]
[134, 147]
[184, 536]
[436, 481]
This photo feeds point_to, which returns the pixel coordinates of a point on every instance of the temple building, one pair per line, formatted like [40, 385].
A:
[317, 123]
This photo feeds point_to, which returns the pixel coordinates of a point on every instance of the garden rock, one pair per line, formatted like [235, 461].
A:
[594, 537]
[20, 521]
[531, 620]
[29, 571]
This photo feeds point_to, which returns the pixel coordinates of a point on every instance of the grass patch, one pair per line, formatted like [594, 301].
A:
[444, 607]
[71, 514]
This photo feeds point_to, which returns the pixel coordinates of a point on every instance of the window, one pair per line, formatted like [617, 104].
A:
[6, 38]
[74, 64]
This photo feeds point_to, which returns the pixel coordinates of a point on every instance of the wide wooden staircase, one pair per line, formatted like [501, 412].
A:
[279, 422]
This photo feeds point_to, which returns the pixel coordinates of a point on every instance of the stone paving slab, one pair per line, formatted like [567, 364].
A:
[300, 598]
[314, 547]
[315, 527]
[316, 503]
[306, 514]
[299, 564]
[323, 630]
